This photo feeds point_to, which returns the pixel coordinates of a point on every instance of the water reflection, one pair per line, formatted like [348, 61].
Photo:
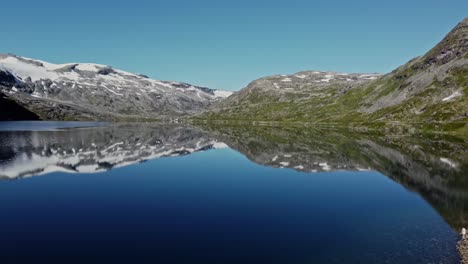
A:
[435, 167]
[92, 150]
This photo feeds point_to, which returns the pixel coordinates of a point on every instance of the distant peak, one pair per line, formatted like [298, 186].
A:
[454, 46]
[464, 21]
[462, 26]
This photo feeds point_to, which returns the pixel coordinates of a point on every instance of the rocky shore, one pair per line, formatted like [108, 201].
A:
[462, 248]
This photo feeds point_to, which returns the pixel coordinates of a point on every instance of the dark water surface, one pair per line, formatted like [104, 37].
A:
[178, 194]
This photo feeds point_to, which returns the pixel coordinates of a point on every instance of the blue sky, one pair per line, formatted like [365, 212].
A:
[227, 44]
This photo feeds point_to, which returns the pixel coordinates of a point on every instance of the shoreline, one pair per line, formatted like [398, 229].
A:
[462, 248]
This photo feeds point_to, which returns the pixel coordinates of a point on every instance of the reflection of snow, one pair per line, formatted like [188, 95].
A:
[219, 145]
[449, 162]
[325, 166]
[96, 158]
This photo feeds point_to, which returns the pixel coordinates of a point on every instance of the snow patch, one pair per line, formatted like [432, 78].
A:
[163, 84]
[452, 96]
[89, 67]
[112, 91]
[369, 76]
[222, 94]
[23, 69]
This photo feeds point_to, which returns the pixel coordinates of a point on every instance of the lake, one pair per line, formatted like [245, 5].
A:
[153, 193]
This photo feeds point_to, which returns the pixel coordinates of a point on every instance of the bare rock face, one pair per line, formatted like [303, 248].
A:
[7, 79]
[11, 110]
[454, 46]
[94, 91]
[443, 69]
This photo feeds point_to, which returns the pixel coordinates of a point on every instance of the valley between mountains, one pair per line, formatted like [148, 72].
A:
[427, 93]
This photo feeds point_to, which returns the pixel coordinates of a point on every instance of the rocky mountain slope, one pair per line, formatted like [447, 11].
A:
[429, 89]
[94, 91]
[11, 110]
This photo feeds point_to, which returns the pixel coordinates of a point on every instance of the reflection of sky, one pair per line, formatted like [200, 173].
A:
[217, 205]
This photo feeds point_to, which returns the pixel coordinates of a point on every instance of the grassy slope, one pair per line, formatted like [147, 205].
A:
[344, 109]
[422, 109]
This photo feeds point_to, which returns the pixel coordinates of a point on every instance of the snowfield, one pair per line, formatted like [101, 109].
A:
[101, 88]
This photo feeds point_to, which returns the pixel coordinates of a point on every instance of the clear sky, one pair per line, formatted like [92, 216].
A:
[227, 44]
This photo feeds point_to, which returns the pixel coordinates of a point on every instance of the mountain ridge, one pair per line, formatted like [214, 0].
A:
[96, 91]
[429, 89]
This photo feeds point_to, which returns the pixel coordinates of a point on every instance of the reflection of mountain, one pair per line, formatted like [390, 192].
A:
[436, 168]
[92, 150]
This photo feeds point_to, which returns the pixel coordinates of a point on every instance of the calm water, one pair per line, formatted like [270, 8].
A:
[175, 194]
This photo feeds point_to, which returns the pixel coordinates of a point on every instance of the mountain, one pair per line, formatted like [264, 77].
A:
[428, 92]
[429, 89]
[278, 97]
[94, 91]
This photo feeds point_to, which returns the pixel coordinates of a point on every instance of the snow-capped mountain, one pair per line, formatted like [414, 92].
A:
[95, 91]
